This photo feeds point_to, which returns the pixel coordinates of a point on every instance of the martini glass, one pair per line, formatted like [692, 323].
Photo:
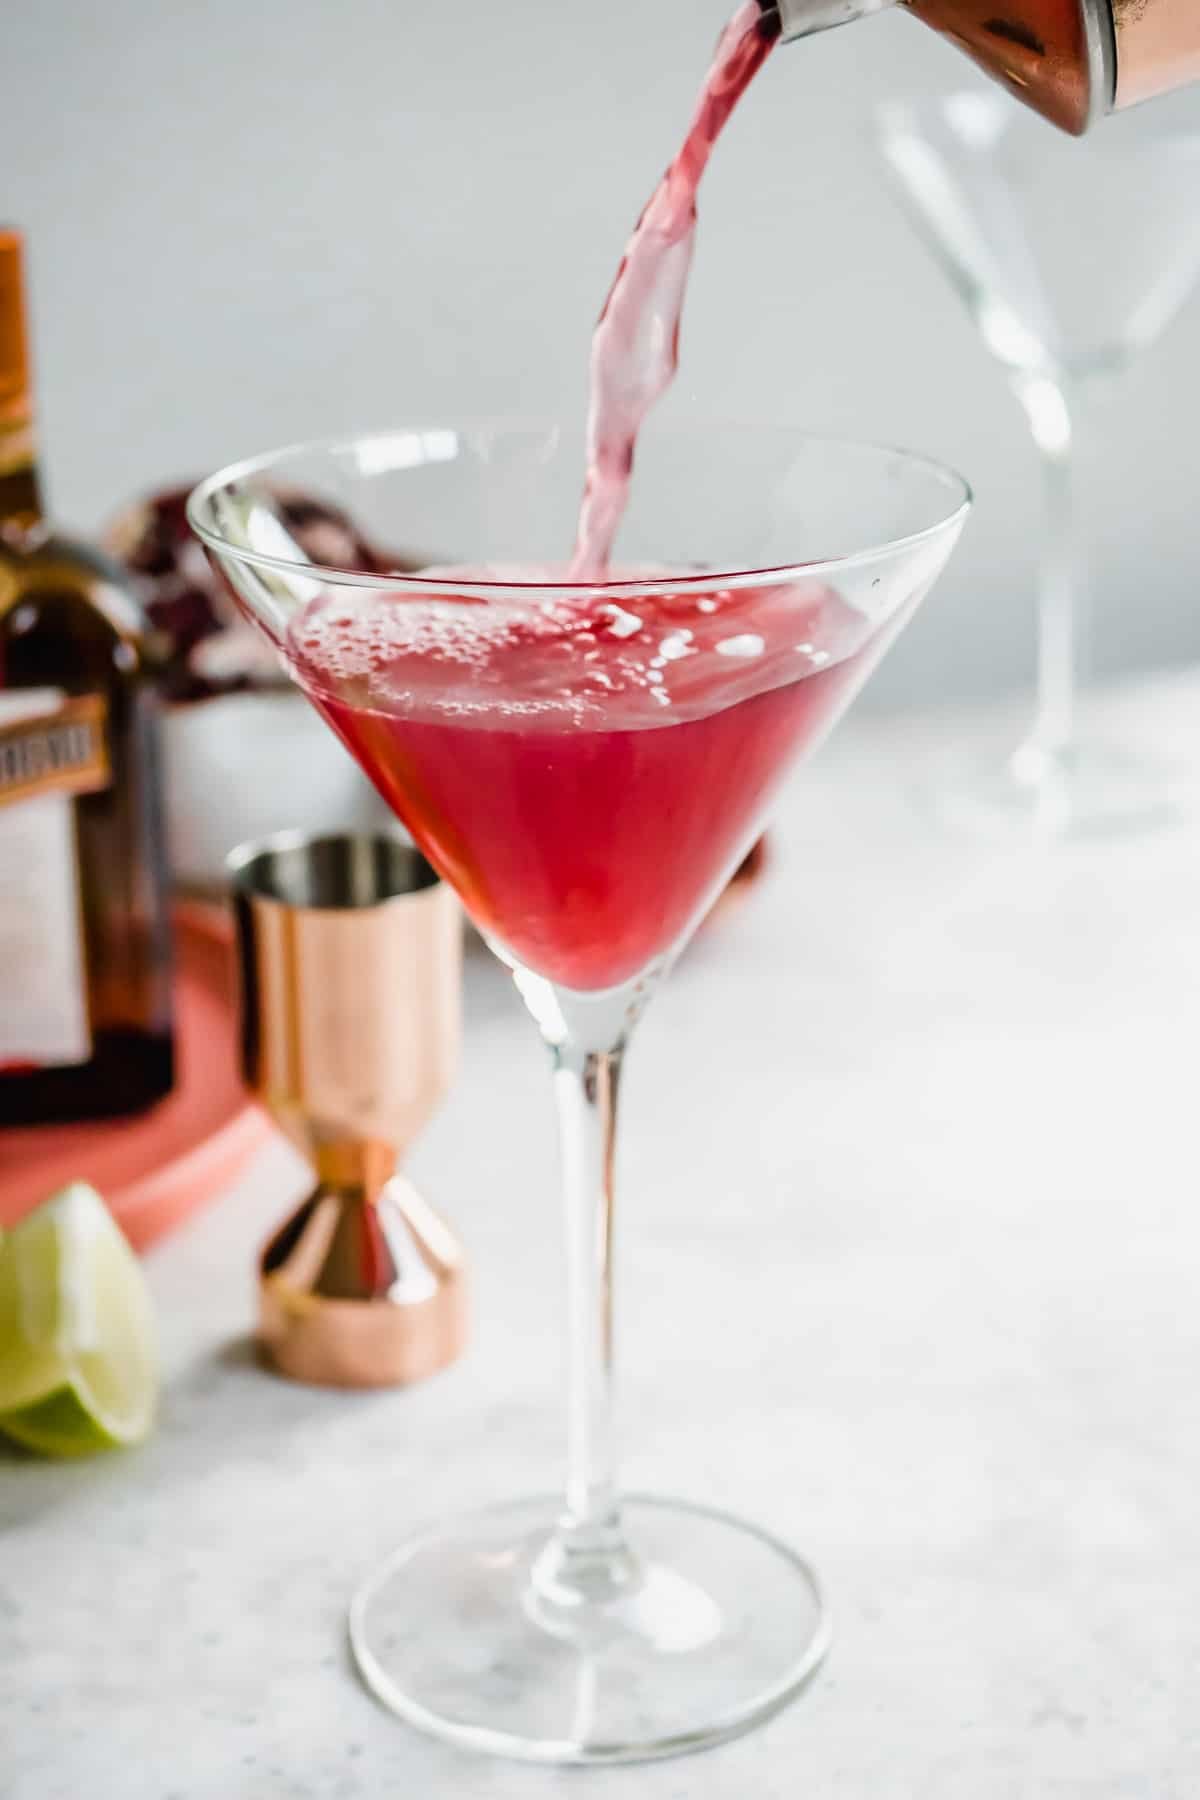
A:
[587, 764]
[1071, 259]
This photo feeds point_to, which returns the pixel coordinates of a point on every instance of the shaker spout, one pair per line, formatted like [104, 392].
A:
[803, 18]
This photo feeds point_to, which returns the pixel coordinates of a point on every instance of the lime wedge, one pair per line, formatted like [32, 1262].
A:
[78, 1362]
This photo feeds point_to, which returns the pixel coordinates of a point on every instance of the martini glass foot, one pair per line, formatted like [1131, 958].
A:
[464, 1633]
[1085, 790]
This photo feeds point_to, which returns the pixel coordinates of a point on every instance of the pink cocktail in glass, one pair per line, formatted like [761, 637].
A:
[586, 760]
[586, 773]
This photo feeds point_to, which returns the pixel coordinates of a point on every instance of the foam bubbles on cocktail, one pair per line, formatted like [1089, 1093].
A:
[597, 663]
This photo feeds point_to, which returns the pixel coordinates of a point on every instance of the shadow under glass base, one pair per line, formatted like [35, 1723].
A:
[724, 1625]
[1083, 790]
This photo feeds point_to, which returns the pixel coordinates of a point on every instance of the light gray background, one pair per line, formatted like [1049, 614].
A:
[254, 220]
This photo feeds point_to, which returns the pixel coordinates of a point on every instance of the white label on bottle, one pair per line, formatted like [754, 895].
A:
[43, 988]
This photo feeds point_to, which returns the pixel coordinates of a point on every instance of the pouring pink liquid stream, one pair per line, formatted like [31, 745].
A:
[635, 347]
[586, 773]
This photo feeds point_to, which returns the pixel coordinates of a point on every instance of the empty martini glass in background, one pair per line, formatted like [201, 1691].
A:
[1071, 258]
[586, 762]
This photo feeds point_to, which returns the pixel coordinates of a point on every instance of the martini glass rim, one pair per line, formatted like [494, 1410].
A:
[959, 500]
[949, 106]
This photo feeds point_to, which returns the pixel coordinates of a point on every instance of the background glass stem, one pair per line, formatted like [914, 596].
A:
[1062, 604]
[1062, 623]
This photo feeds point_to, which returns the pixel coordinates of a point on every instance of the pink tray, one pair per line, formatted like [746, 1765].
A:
[156, 1169]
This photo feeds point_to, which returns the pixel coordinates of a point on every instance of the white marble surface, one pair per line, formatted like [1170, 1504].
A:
[911, 1258]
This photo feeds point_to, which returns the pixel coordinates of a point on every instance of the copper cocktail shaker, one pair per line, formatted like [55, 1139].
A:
[350, 952]
[1072, 60]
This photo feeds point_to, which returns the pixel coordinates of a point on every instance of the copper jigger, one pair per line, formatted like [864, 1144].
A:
[350, 951]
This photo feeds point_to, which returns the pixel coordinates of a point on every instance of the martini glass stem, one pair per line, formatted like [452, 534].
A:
[1062, 626]
[588, 1561]
[1051, 410]
[586, 1084]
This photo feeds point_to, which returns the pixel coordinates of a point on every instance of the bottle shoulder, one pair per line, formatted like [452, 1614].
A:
[58, 584]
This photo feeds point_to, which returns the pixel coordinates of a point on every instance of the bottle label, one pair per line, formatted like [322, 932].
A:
[1158, 47]
[52, 748]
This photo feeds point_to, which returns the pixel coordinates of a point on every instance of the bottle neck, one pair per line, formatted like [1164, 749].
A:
[20, 500]
[21, 514]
